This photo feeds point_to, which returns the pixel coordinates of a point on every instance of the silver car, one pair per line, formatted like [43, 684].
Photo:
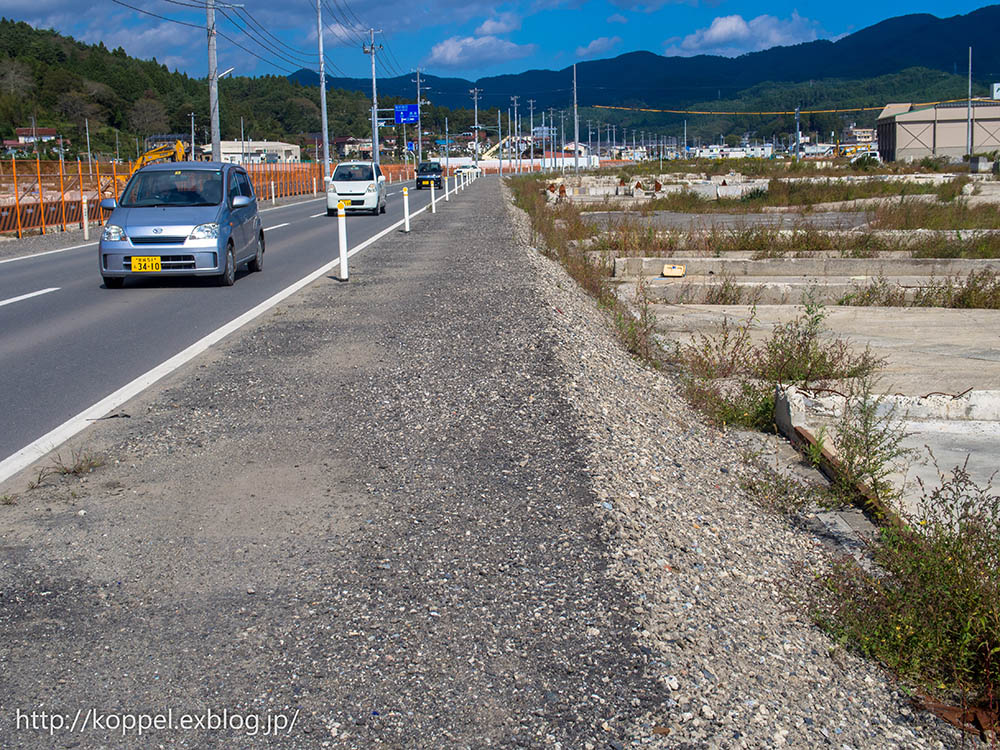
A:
[182, 219]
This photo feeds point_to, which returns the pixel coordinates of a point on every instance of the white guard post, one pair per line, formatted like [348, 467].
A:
[85, 219]
[434, 209]
[342, 232]
[406, 209]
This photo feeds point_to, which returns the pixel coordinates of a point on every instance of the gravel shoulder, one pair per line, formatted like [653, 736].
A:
[435, 507]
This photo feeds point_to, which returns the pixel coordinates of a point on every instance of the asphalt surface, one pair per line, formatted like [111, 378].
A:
[64, 350]
[369, 513]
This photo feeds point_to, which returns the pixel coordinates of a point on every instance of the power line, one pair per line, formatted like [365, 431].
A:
[788, 112]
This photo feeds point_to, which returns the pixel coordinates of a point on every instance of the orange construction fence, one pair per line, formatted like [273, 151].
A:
[37, 196]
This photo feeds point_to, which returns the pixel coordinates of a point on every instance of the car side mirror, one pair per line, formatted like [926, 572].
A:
[381, 178]
[242, 200]
[109, 204]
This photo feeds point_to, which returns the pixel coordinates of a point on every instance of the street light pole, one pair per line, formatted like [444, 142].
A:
[475, 131]
[516, 129]
[576, 128]
[531, 132]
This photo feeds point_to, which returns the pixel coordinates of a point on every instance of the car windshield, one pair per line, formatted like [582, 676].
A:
[352, 173]
[429, 166]
[175, 187]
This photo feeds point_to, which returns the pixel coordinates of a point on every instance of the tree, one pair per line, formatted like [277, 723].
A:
[16, 78]
[148, 116]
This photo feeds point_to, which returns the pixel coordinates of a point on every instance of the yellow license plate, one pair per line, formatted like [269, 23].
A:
[146, 263]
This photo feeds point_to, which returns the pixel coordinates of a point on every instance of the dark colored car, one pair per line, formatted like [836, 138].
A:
[429, 173]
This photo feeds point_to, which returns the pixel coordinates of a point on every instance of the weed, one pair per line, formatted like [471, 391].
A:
[8, 499]
[931, 611]
[637, 331]
[726, 292]
[979, 290]
[733, 379]
[957, 214]
[81, 462]
[41, 477]
[868, 441]
[814, 450]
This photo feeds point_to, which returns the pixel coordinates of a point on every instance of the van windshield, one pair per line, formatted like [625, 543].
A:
[174, 187]
[429, 167]
[353, 173]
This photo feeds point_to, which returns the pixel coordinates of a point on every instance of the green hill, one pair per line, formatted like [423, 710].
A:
[62, 83]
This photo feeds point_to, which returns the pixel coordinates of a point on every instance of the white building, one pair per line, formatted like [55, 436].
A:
[256, 152]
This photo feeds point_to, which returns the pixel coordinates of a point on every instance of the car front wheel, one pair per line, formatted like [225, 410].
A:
[228, 275]
[257, 262]
[114, 282]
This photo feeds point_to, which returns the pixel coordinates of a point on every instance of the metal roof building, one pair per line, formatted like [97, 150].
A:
[906, 133]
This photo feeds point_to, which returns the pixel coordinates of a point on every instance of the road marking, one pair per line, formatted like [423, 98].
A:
[47, 252]
[276, 226]
[286, 205]
[12, 300]
[56, 437]
[322, 213]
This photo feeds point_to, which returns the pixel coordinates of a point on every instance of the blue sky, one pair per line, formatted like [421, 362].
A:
[464, 38]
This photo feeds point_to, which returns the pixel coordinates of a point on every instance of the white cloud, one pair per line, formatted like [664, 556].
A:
[616, 18]
[476, 52]
[733, 35]
[502, 24]
[599, 46]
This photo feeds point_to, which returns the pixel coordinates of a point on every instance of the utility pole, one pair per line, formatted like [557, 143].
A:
[798, 136]
[576, 128]
[517, 130]
[420, 127]
[590, 139]
[685, 138]
[191, 115]
[447, 149]
[598, 144]
[531, 130]
[117, 157]
[213, 81]
[322, 98]
[499, 138]
[243, 142]
[475, 130]
[544, 134]
[371, 49]
[968, 134]
[90, 160]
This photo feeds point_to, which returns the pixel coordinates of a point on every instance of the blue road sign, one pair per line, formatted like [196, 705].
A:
[409, 146]
[406, 114]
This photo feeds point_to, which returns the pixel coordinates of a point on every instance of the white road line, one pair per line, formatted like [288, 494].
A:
[287, 205]
[276, 226]
[321, 213]
[12, 300]
[56, 437]
[47, 252]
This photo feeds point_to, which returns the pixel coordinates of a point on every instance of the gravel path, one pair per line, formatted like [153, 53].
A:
[436, 507]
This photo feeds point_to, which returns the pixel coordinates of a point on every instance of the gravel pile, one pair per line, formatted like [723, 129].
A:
[717, 582]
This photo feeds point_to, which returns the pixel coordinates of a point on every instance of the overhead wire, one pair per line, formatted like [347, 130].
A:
[777, 112]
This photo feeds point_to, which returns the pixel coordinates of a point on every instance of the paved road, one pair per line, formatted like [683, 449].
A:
[63, 350]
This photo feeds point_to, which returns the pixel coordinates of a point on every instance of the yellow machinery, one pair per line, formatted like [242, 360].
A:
[173, 151]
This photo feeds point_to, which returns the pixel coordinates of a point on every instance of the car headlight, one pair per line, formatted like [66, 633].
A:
[371, 188]
[205, 232]
[113, 233]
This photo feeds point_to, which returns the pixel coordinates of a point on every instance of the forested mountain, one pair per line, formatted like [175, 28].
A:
[62, 83]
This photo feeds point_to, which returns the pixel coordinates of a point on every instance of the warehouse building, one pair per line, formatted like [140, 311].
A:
[908, 133]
